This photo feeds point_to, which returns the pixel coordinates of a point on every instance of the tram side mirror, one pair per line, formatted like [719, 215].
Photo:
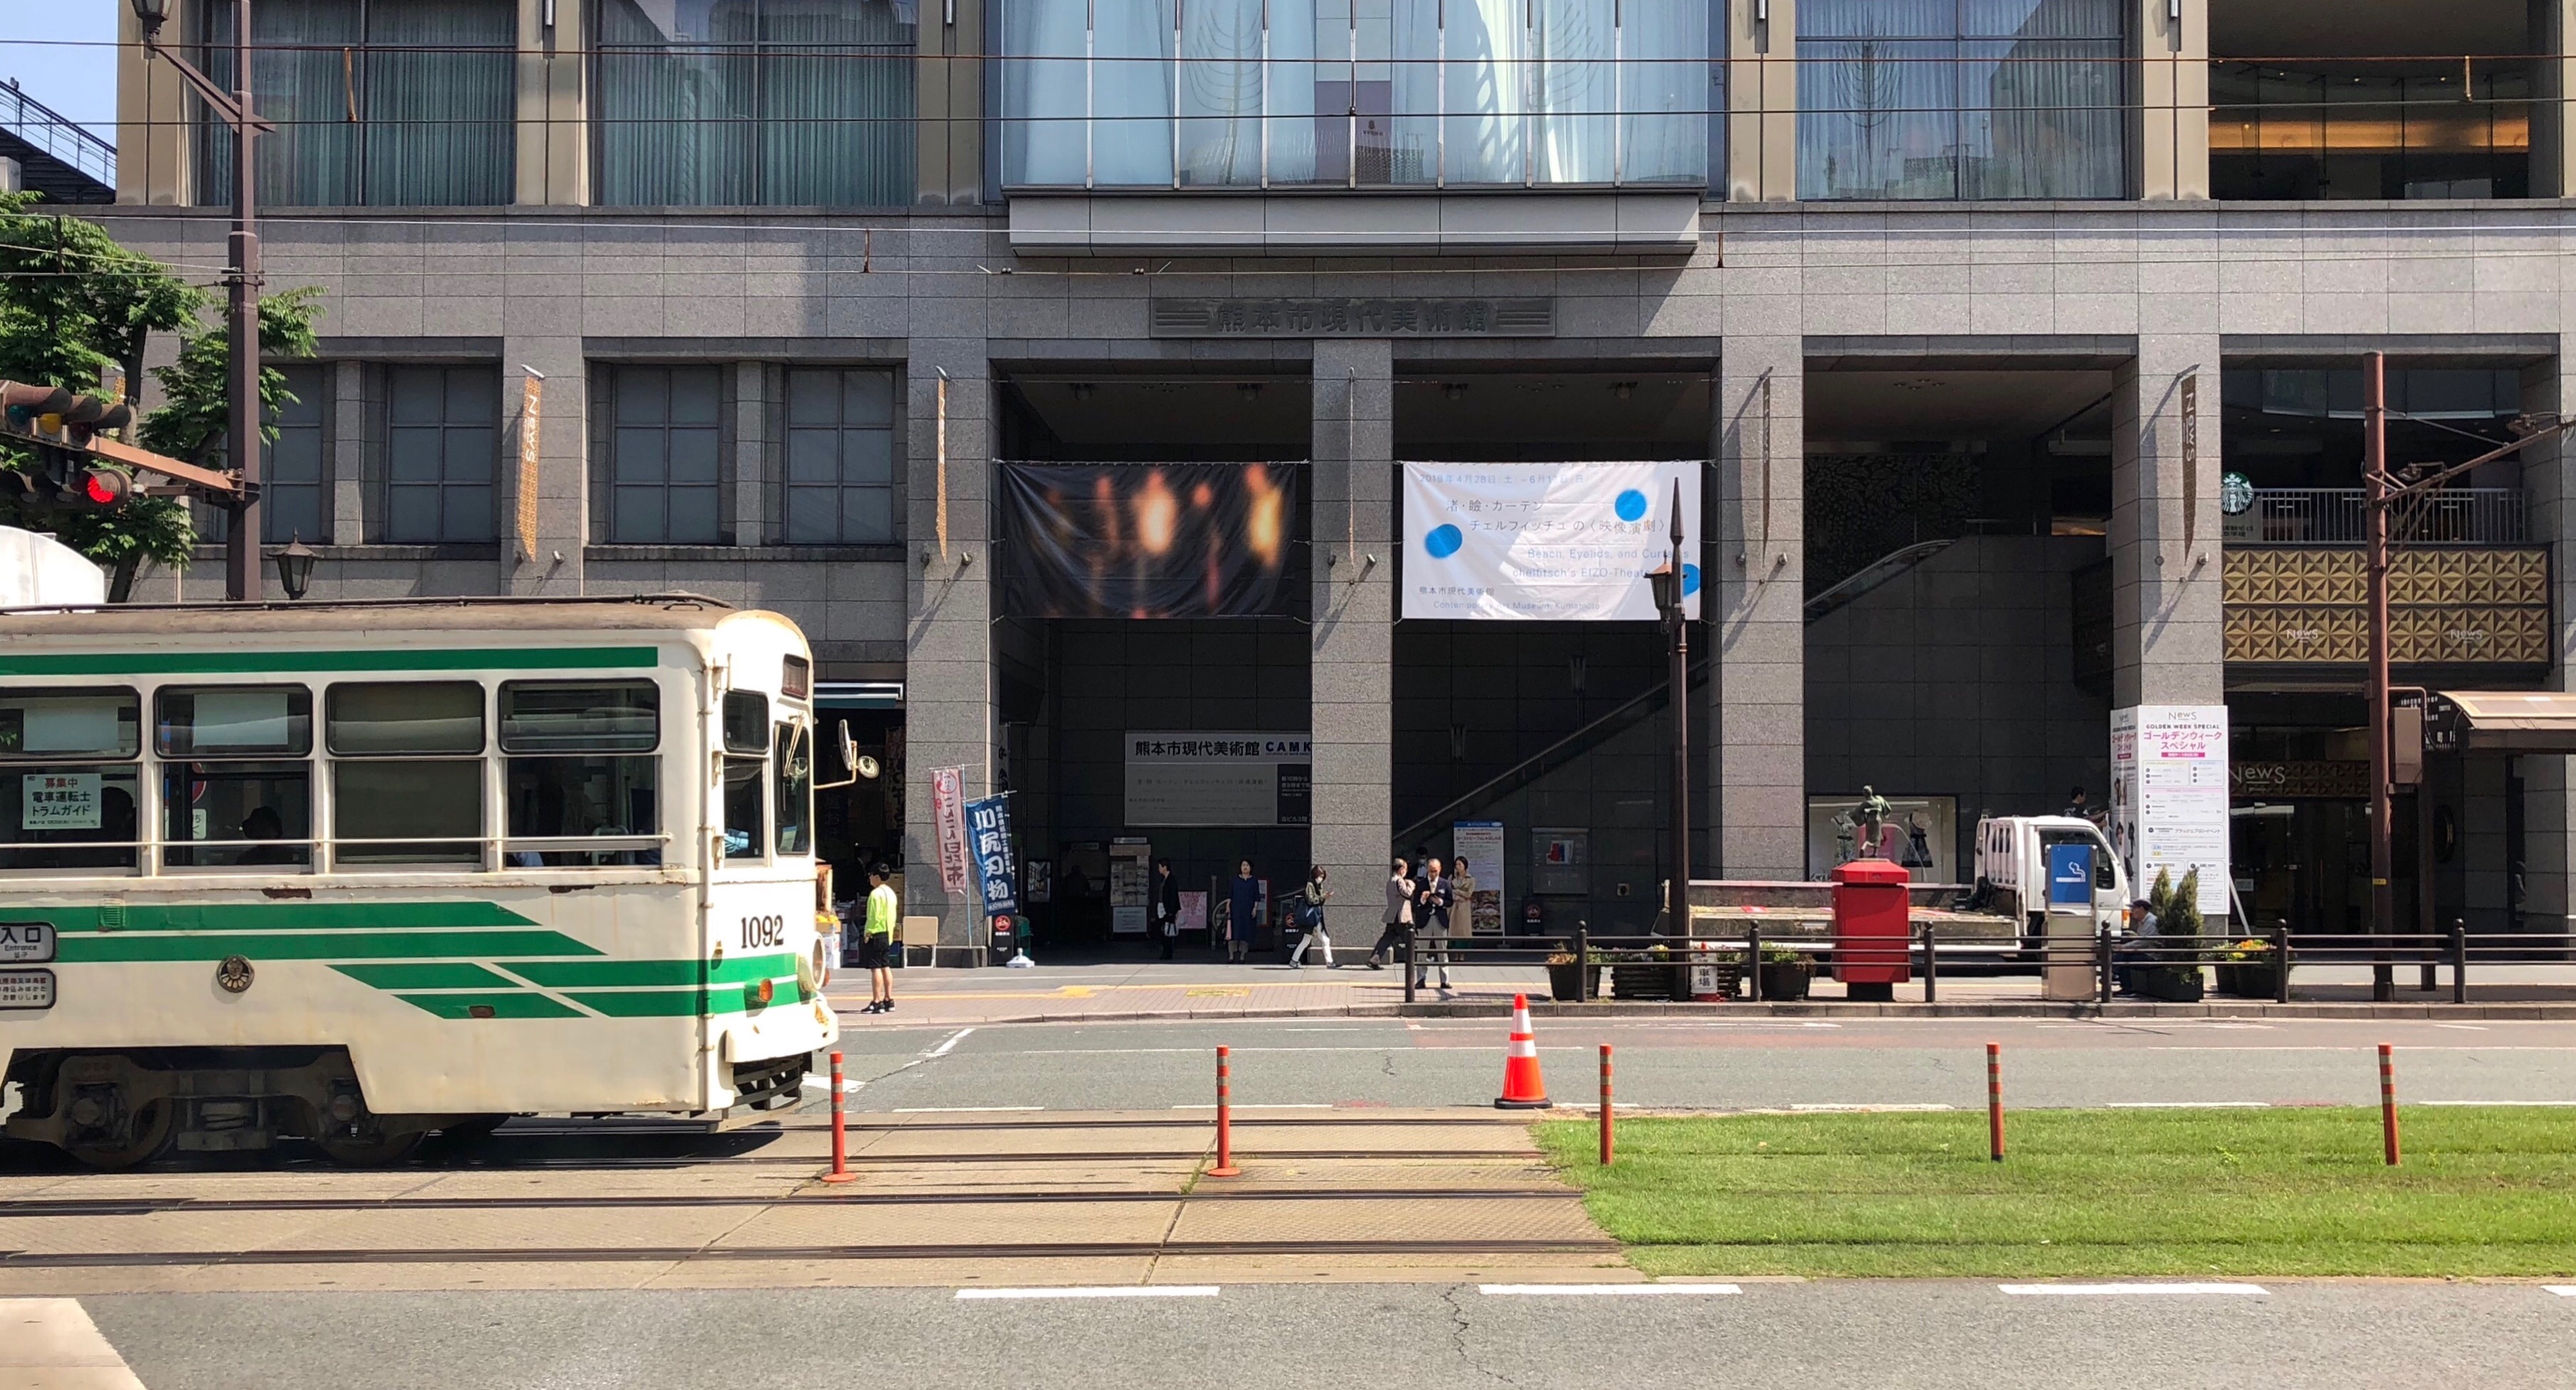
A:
[852, 766]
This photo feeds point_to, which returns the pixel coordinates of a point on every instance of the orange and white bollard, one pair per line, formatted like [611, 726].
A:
[1224, 1118]
[1606, 1148]
[840, 1130]
[1995, 1100]
[2388, 1104]
[1523, 1087]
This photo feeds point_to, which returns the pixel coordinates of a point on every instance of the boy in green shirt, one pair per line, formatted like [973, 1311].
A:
[876, 943]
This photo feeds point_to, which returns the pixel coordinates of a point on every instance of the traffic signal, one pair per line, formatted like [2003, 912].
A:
[60, 427]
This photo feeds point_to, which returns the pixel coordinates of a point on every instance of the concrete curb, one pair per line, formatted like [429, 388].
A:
[2238, 1009]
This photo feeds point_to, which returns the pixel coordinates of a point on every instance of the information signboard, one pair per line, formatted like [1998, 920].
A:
[2169, 791]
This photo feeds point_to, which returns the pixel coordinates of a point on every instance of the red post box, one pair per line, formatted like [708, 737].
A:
[1873, 929]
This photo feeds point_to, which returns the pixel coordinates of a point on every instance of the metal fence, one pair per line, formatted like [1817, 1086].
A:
[2335, 516]
[48, 130]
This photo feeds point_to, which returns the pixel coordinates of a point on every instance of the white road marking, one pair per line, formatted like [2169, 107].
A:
[1310, 1105]
[2562, 1290]
[2189, 1105]
[2123, 1290]
[1600, 1290]
[1837, 1109]
[965, 1109]
[1094, 1291]
[2492, 1102]
[953, 1039]
[51, 1341]
[2464, 1027]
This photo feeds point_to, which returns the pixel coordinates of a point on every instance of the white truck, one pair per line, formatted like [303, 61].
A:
[2012, 870]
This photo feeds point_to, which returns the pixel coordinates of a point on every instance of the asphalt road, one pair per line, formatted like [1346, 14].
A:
[2335, 1336]
[1717, 1064]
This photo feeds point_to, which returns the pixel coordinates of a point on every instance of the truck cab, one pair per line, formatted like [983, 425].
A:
[2012, 869]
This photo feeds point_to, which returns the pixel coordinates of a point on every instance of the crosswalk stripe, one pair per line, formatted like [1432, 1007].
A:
[51, 1341]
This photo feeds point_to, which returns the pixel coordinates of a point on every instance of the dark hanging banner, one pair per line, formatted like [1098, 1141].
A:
[1148, 540]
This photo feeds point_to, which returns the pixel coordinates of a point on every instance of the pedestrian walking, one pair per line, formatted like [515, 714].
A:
[1167, 905]
[1430, 922]
[1243, 912]
[1310, 918]
[1399, 913]
[876, 941]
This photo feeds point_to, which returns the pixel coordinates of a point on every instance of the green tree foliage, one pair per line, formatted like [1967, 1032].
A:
[74, 305]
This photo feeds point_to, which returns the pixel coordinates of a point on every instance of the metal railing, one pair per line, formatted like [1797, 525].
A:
[2157, 967]
[56, 134]
[2335, 516]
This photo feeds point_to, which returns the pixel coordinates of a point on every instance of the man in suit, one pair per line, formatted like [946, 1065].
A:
[1399, 914]
[1431, 895]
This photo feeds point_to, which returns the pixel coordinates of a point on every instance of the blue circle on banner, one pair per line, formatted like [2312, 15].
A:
[1443, 542]
[1690, 580]
[1631, 505]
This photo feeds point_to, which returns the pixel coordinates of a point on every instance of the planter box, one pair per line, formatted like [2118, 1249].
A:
[2173, 984]
[1562, 981]
[1650, 980]
[2253, 979]
[1786, 981]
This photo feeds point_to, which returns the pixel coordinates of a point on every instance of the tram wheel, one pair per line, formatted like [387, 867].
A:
[372, 1150]
[150, 1135]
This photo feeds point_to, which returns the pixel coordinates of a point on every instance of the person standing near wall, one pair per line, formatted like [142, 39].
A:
[1243, 912]
[1167, 905]
[1399, 913]
[876, 944]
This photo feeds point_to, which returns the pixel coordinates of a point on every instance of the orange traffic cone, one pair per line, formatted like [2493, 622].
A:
[1523, 1087]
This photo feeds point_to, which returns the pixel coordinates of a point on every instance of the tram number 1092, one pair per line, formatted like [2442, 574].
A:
[763, 931]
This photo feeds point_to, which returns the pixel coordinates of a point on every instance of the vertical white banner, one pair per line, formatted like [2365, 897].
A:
[2169, 793]
[1565, 542]
[948, 815]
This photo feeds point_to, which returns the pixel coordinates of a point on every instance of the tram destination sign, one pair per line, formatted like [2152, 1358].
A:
[1338, 317]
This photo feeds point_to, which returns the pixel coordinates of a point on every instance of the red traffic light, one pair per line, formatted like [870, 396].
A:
[105, 487]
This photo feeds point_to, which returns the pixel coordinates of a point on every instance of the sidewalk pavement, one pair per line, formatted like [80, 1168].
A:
[1118, 991]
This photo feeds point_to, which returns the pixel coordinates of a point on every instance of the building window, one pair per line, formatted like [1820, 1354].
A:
[1961, 99]
[2362, 128]
[442, 447]
[840, 457]
[1355, 93]
[378, 103]
[664, 445]
[775, 102]
[293, 503]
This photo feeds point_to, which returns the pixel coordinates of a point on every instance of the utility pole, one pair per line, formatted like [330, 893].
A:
[1671, 585]
[241, 281]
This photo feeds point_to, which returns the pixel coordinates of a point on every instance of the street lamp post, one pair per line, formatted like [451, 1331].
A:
[2383, 488]
[241, 282]
[1671, 589]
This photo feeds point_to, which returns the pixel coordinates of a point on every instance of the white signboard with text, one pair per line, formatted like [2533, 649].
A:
[1196, 777]
[2169, 797]
[1564, 542]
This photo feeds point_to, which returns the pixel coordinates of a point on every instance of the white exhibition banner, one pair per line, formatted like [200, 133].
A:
[1561, 542]
[2169, 793]
[1197, 777]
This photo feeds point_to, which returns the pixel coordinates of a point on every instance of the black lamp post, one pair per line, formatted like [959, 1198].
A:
[1671, 585]
[294, 562]
[241, 279]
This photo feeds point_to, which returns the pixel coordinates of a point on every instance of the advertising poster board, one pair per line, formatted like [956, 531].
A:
[1131, 885]
[1555, 542]
[1560, 861]
[1194, 911]
[1479, 843]
[948, 818]
[1923, 834]
[1148, 540]
[1199, 777]
[2169, 792]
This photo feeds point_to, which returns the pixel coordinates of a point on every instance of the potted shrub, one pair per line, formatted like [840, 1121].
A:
[1786, 972]
[2172, 973]
[2247, 970]
[1565, 979]
[1649, 974]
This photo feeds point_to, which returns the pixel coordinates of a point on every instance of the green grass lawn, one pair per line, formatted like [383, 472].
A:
[2483, 1191]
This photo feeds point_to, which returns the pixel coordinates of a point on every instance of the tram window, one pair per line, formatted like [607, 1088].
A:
[796, 678]
[795, 790]
[746, 722]
[743, 818]
[68, 816]
[256, 721]
[407, 811]
[580, 717]
[584, 796]
[377, 719]
[230, 815]
[54, 724]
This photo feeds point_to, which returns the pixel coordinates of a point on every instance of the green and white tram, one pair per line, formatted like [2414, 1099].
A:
[360, 871]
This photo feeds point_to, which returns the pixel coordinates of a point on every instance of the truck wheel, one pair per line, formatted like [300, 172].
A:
[150, 1134]
[377, 1150]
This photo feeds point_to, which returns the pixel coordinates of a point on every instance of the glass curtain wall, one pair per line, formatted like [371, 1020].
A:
[1355, 93]
[1961, 99]
[378, 103]
[803, 103]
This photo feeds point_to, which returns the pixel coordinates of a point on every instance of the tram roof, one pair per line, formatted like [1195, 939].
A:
[678, 612]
